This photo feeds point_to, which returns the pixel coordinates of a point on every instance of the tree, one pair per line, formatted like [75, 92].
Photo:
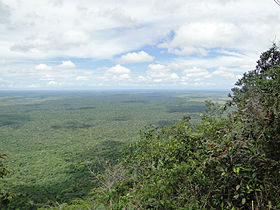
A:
[245, 163]
[5, 197]
[258, 101]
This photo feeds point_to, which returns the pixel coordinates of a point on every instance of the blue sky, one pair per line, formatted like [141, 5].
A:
[133, 44]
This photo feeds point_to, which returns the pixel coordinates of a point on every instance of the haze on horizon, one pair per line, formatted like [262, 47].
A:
[155, 44]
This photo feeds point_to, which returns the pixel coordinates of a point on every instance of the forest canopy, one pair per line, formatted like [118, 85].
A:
[5, 196]
[230, 160]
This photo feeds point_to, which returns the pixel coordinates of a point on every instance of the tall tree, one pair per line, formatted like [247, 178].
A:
[258, 100]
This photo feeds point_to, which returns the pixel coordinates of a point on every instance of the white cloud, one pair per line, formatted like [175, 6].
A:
[75, 37]
[174, 76]
[124, 76]
[234, 62]
[118, 69]
[195, 37]
[64, 65]
[157, 80]
[160, 73]
[101, 29]
[136, 57]
[67, 65]
[43, 67]
[196, 72]
[116, 73]
[238, 76]
[211, 30]
[141, 79]
[226, 73]
[47, 77]
[157, 70]
[82, 78]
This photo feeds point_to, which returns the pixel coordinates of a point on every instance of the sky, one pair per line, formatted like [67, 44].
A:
[133, 44]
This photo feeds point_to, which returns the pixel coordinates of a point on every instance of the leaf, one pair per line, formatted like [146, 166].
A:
[243, 201]
[237, 170]
[236, 196]
[237, 187]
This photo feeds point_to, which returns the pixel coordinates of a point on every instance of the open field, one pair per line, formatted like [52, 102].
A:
[51, 138]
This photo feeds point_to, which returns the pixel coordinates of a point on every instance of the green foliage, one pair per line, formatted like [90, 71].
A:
[258, 100]
[3, 169]
[163, 171]
[230, 160]
[52, 138]
[5, 196]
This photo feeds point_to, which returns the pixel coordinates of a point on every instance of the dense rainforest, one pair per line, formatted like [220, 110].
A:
[52, 138]
[228, 160]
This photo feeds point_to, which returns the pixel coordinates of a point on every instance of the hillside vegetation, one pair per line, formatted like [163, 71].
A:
[52, 138]
[230, 160]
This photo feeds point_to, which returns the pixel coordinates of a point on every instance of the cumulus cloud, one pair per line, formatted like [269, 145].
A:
[160, 73]
[226, 73]
[118, 69]
[222, 43]
[43, 67]
[157, 70]
[196, 72]
[136, 57]
[64, 65]
[117, 73]
[67, 65]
